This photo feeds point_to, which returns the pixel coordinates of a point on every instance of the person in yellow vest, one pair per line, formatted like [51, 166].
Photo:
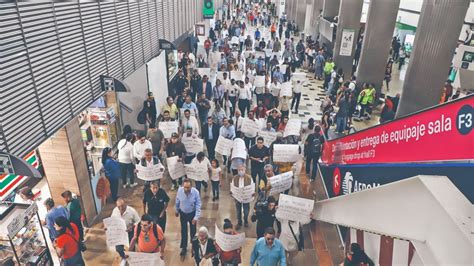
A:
[328, 68]
[366, 99]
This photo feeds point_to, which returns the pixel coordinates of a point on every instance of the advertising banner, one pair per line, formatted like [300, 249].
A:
[443, 133]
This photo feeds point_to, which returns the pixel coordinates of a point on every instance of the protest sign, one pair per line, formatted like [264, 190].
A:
[294, 208]
[168, 128]
[193, 145]
[243, 194]
[293, 127]
[281, 182]
[236, 75]
[204, 71]
[298, 76]
[223, 146]
[285, 153]
[175, 168]
[116, 233]
[238, 149]
[229, 242]
[250, 127]
[268, 52]
[259, 81]
[150, 173]
[144, 259]
[283, 68]
[197, 171]
[234, 40]
[268, 137]
[286, 89]
[259, 54]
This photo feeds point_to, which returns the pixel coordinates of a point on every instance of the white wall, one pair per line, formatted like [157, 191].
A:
[157, 80]
[137, 82]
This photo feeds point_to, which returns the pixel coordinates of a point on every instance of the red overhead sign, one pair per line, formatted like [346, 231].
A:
[442, 133]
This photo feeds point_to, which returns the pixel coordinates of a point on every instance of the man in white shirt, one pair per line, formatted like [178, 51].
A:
[189, 121]
[140, 146]
[131, 218]
[297, 87]
[245, 96]
[275, 88]
[226, 82]
[126, 159]
[249, 136]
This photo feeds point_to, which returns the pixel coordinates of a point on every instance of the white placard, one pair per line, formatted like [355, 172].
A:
[204, 71]
[144, 259]
[238, 149]
[281, 182]
[347, 41]
[283, 68]
[175, 168]
[286, 153]
[197, 171]
[259, 81]
[268, 137]
[298, 76]
[193, 145]
[234, 40]
[150, 173]
[293, 127]
[192, 112]
[268, 52]
[229, 242]
[168, 128]
[243, 194]
[236, 75]
[116, 233]
[258, 54]
[294, 209]
[286, 89]
[224, 146]
[250, 127]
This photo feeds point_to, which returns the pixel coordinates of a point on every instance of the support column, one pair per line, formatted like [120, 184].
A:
[348, 27]
[436, 37]
[300, 14]
[65, 166]
[315, 18]
[381, 19]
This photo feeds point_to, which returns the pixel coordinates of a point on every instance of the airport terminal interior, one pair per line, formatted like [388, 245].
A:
[237, 132]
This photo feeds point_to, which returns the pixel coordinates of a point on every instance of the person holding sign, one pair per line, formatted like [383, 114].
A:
[148, 237]
[131, 218]
[245, 96]
[201, 159]
[264, 215]
[227, 131]
[250, 129]
[189, 135]
[242, 180]
[175, 148]
[232, 257]
[203, 248]
[150, 161]
[155, 202]
[189, 121]
[188, 208]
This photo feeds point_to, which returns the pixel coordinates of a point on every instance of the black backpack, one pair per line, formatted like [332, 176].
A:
[141, 118]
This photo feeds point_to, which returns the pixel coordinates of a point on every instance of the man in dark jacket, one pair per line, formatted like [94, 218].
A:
[149, 107]
[195, 81]
[205, 87]
[210, 134]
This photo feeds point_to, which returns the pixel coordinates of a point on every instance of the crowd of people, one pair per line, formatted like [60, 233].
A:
[249, 73]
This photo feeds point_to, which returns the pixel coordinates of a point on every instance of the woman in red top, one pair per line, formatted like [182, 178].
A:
[260, 110]
[232, 257]
[282, 125]
[67, 242]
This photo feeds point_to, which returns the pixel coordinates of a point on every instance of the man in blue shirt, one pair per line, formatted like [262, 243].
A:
[53, 213]
[268, 251]
[188, 208]
[257, 34]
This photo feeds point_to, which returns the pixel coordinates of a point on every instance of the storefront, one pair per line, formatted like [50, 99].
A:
[22, 238]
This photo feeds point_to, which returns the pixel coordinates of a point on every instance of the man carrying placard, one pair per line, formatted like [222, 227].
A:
[175, 148]
[242, 180]
[148, 237]
[131, 218]
[250, 129]
[258, 154]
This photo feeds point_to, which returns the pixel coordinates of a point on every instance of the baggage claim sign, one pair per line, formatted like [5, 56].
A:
[435, 141]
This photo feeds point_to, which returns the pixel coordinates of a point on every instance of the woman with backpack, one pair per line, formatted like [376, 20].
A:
[356, 256]
[67, 243]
